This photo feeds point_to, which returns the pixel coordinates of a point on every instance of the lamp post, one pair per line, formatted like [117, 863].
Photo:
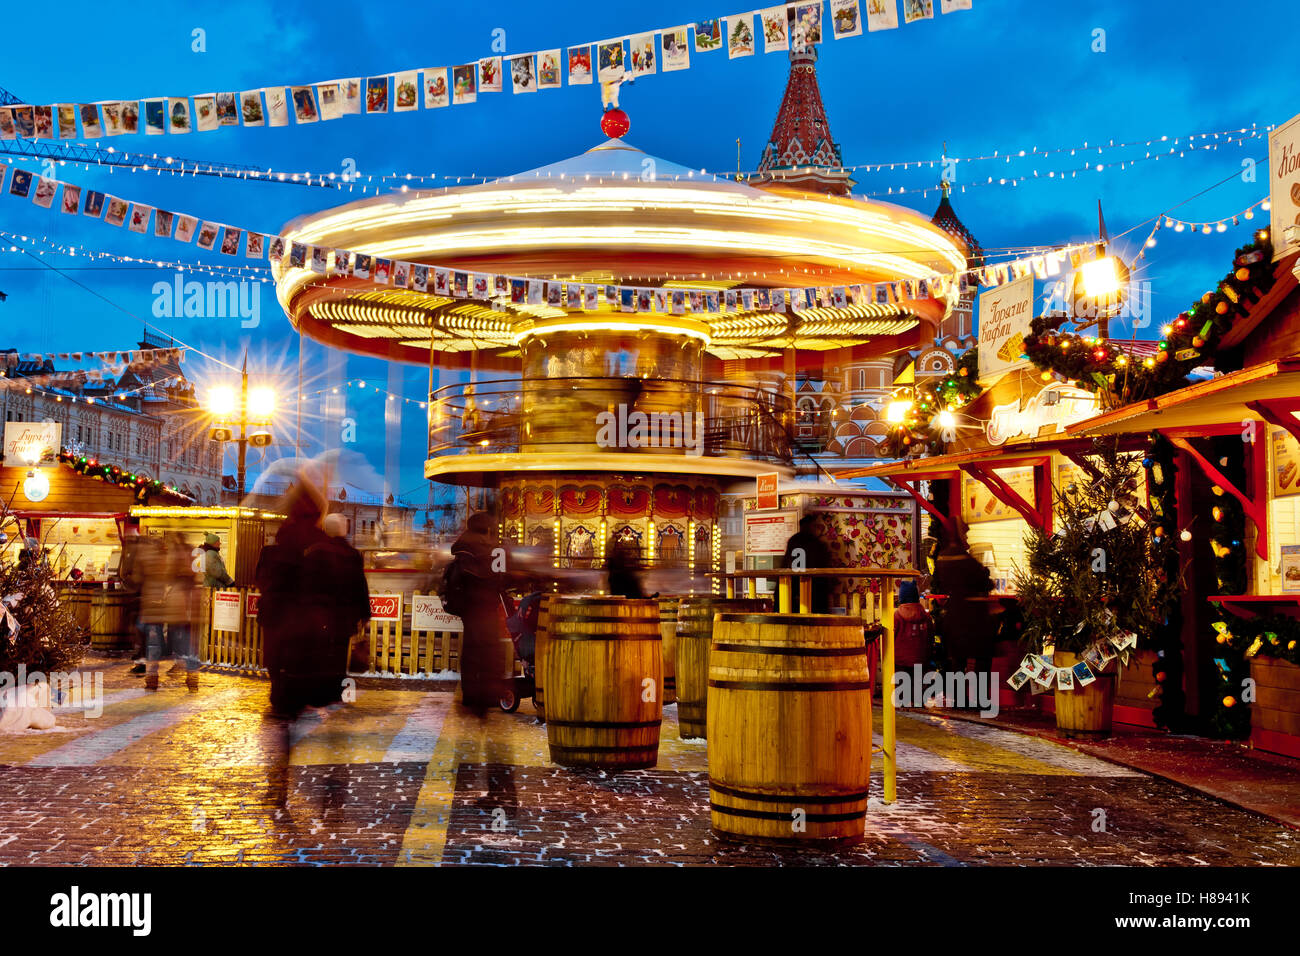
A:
[253, 408]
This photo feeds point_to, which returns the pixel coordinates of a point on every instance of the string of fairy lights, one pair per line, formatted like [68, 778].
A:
[260, 273]
[403, 181]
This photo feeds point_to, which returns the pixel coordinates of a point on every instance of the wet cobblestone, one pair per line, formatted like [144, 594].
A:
[199, 777]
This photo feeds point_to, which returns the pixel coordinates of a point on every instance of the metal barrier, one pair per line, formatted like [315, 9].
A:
[391, 646]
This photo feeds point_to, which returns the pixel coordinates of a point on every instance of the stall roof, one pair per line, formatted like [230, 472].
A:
[1221, 400]
[990, 456]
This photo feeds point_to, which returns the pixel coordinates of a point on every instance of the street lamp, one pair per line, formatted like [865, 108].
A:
[251, 411]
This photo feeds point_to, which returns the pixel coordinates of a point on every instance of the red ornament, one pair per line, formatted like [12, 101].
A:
[615, 124]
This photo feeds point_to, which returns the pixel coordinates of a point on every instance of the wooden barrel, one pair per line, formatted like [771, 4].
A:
[789, 725]
[694, 636]
[1084, 711]
[111, 626]
[605, 658]
[77, 600]
[668, 634]
[539, 653]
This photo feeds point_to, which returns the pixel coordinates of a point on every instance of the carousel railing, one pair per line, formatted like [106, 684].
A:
[713, 419]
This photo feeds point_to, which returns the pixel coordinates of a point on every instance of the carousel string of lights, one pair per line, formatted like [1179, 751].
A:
[161, 164]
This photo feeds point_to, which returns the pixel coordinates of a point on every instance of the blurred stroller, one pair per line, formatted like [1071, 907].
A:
[521, 622]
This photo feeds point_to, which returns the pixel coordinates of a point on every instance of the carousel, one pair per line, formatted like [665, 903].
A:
[628, 330]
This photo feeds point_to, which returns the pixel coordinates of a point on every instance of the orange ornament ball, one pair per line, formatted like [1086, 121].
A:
[1207, 298]
[1162, 356]
[1229, 702]
[1221, 308]
[1160, 677]
[1197, 341]
[1243, 274]
[1221, 638]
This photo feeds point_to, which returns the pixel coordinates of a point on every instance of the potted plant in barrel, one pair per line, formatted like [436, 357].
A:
[1088, 592]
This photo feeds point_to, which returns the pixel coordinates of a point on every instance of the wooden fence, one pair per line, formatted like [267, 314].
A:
[387, 647]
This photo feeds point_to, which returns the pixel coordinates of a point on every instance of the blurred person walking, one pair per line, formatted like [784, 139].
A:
[471, 590]
[289, 620]
[166, 604]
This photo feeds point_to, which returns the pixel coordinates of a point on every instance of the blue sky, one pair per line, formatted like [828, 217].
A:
[1006, 76]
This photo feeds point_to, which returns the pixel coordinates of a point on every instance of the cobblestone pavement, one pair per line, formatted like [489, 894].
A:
[183, 776]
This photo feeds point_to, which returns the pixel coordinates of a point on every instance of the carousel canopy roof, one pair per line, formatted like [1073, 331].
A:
[613, 215]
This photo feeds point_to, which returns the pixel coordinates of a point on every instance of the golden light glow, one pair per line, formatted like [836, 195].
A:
[261, 402]
[897, 410]
[613, 324]
[946, 419]
[222, 402]
[1100, 277]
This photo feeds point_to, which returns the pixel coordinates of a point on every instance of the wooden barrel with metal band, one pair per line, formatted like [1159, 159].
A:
[694, 635]
[604, 681]
[540, 646]
[789, 728]
[668, 634]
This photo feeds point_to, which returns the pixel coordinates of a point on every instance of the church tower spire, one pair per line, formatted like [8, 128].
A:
[801, 152]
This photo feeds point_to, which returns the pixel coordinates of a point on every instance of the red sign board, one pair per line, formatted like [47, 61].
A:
[767, 494]
[385, 607]
[250, 604]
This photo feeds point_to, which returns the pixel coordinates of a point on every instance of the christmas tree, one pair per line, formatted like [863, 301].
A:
[1093, 577]
[36, 630]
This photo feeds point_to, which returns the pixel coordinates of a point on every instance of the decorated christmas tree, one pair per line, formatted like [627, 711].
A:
[36, 630]
[1092, 578]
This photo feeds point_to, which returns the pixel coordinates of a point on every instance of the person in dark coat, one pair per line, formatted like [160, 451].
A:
[624, 571]
[334, 586]
[805, 550]
[475, 590]
[291, 620]
[968, 628]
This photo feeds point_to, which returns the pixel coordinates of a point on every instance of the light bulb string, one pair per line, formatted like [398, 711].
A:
[158, 165]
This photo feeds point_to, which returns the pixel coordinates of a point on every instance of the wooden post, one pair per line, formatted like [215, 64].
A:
[888, 730]
[751, 587]
[805, 595]
[783, 594]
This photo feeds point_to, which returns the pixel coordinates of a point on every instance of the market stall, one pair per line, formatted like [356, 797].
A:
[242, 532]
[1011, 455]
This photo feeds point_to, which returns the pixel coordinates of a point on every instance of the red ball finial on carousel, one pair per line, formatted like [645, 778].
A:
[615, 123]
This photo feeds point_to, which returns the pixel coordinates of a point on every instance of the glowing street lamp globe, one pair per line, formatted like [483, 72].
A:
[261, 402]
[221, 401]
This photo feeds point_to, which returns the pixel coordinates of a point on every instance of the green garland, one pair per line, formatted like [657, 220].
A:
[1227, 717]
[1166, 637]
[1191, 340]
[1277, 636]
[144, 487]
[917, 434]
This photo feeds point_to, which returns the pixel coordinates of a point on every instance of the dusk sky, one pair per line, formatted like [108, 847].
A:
[1005, 76]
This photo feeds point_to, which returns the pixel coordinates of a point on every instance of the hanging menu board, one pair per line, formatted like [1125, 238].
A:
[1286, 463]
[980, 504]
